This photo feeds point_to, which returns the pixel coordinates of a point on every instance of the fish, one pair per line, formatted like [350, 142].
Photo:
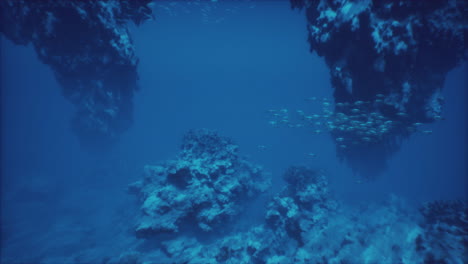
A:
[359, 181]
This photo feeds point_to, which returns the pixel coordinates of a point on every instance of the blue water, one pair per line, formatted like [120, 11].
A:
[194, 73]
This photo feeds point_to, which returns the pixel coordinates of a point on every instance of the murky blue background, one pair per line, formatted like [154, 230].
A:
[219, 69]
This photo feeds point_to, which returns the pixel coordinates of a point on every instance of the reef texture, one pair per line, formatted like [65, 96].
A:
[204, 187]
[191, 213]
[446, 225]
[89, 48]
[386, 59]
[303, 224]
[301, 207]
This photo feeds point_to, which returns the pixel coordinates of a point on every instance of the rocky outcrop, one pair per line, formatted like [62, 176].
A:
[204, 187]
[304, 225]
[89, 48]
[303, 204]
[386, 59]
[446, 236]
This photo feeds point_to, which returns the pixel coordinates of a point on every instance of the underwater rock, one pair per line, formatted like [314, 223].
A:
[253, 246]
[303, 204]
[205, 186]
[445, 239]
[89, 48]
[392, 56]
[303, 224]
[375, 233]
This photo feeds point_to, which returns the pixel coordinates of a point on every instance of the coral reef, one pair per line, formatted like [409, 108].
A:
[387, 59]
[303, 204]
[446, 225]
[205, 186]
[192, 207]
[89, 48]
[303, 224]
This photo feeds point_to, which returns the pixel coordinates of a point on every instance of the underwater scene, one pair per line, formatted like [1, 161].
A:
[234, 131]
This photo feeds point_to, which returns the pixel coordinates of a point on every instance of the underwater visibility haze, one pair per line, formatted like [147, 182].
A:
[234, 131]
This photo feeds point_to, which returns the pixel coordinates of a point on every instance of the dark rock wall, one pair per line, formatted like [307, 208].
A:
[89, 48]
[390, 57]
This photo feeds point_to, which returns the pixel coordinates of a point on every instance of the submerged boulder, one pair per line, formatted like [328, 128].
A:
[204, 187]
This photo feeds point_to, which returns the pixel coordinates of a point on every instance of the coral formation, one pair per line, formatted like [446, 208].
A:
[391, 58]
[191, 208]
[446, 225]
[89, 48]
[205, 186]
[301, 205]
[304, 225]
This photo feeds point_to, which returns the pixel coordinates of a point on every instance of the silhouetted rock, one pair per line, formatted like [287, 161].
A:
[393, 57]
[89, 48]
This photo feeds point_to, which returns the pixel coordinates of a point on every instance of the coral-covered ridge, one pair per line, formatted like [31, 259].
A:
[204, 187]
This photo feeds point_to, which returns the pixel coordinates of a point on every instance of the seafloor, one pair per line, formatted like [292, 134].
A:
[210, 204]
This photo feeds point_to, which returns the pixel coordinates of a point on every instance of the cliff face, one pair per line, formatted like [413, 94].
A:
[387, 59]
[88, 46]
